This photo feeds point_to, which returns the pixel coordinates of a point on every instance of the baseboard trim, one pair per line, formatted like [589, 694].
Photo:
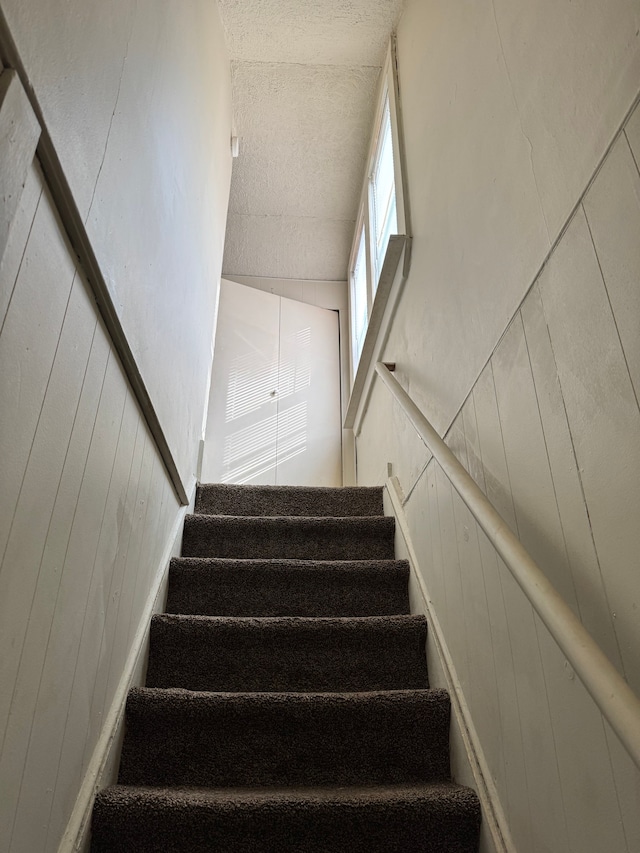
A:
[492, 813]
[76, 832]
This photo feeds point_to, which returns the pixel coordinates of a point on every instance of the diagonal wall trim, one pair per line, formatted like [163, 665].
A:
[76, 232]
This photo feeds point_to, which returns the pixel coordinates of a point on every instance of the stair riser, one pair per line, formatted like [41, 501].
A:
[282, 500]
[315, 828]
[288, 655]
[288, 538]
[284, 739]
[269, 590]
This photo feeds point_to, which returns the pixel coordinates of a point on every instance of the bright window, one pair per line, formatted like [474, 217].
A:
[359, 299]
[381, 215]
[383, 193]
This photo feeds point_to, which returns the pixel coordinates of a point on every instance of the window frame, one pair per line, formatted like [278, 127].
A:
[377, 266]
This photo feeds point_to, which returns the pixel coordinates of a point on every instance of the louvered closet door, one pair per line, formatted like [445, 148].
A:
[274, 409]
[308, 394]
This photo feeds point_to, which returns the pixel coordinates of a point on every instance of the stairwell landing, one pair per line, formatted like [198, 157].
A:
[287, 707]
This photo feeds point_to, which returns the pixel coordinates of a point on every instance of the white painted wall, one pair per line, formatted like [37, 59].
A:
[86, 515]
[509, 109]
[136, 96]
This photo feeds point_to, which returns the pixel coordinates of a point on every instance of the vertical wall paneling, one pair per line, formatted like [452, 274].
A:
[417, 514]
[484, 695]
[19, 134]
[455, 623]
[532, 485]
[32, 518]
[80, 699]
[604, 420]
[144, 578]
[28, 618]
[511, 776]
[117, 652]
[436, 556]
[591, 810]
[132, 564]
[107, 592]
[47, 733]
[632, 132]
[540, 530]
[612, 207]
[18, 237]
[469, 566]
[86, 509]
[576, 529]
[27, 350]
[522, 640]
[627, 784]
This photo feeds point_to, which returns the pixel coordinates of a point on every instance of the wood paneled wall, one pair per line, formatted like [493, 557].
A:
[86, 512]
[551, 432]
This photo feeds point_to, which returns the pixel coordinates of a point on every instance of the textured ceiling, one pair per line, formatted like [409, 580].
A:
[304, 80]
[320, 32]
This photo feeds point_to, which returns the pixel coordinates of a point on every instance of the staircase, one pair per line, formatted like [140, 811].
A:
[287, 707]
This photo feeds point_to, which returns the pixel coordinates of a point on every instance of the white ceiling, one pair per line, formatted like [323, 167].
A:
[304, 78]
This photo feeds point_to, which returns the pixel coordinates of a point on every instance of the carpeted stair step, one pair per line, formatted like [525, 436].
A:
[289, 537]
[442, 818]
[288, 654]
[223, 499]
[182, 738]
[230, 587]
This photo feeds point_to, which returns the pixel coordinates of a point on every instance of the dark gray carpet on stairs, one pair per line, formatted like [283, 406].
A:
[288, 653]
[439, 818]
[288, 537]
[180, 737]
[230, 587]
[287, 707]
[217, 499]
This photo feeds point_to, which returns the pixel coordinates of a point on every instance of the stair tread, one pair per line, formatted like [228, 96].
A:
[292, 564]
[417, 793]
[161, 695]
[315, 624]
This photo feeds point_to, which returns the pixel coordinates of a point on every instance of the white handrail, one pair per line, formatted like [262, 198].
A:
[611, 693]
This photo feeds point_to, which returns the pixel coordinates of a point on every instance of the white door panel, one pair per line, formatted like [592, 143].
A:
[308, 438]
[274, 409]
[240, 445]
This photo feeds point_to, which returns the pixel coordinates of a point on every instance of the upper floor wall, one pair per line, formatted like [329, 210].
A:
[136, 98]
[508, 108]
